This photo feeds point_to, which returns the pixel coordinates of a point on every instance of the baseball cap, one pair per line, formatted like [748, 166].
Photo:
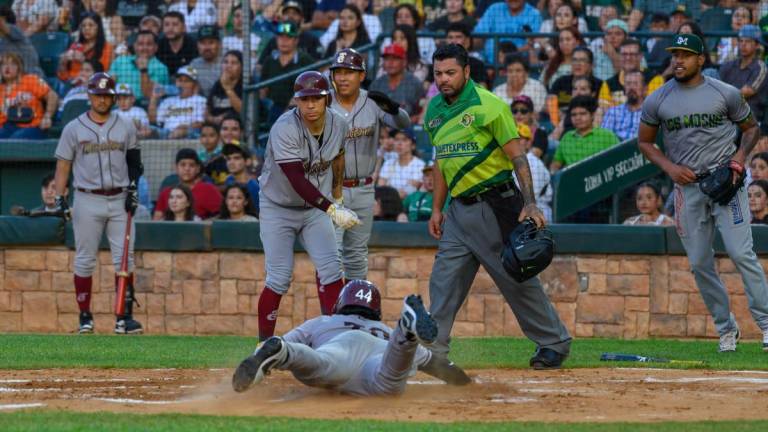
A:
[681, 9]
[229, 149]
[288, 28]
[750, 31]
[188, 71]
[523, 130]
[393, 50]
[124, 90]
[208, 32]
[522, 99]
[292, 4]
[187, 153]
[407, 132]
[686, 42]
[617, 23]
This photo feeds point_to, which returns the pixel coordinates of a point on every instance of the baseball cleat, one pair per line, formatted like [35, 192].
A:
[86, 323]
[128, 325]
[446, 370]
[729, 340]
[257, 365]
[416, 322]
[547, 358]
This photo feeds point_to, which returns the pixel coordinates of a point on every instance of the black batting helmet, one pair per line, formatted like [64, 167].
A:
[311, 83]
[348, 58]
[359, 297]
[528, 251]
[101, 83]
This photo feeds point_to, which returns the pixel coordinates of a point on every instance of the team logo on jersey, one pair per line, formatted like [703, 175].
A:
[467, 119]
[92, 147]
[358, 132]
[435, 122]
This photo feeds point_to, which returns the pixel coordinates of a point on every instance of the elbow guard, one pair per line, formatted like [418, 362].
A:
[135, 168]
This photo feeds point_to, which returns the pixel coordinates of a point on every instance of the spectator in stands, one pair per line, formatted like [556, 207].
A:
[404, 173]
[606, 48]
[758, 201]
[114, 31]
[239, 164]
[179, 116]
[326, 12]
[405, 36]
[134, 11]
[142, 71]
[27, 104]
[386, 150]
[234, 41]
[399, 84]
[582, 61]
[180, 204]
[612, 91]
[510, 16]
[454, 14]
[598, 12]
[369, 22]
[350, 32]
[231, 129]
[649, 201]
[541, 188]
[207, 198]
[13, 40]
[387, 205]
[461, 34]
[176, 48]
[417, 206]
[126, 108]
[208, 64]
[238, 205]
[758, 166]
[624, 120]
[284, 59]
[656, 47]
[406, 14]
[585, 139]
[48, 194]
[36, 16]
[677, 17]
[225, 97]
[562, 117]
[748, 72]
[522, 109]
[563, 19]
[641, 13]
[78, 88]
[308, 42]
[520, 83]
[90, 45]
[560, 63]
[197, 13]
[727, 48]
[214, 162]
[152, 24]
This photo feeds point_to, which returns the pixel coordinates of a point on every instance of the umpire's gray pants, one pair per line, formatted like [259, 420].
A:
[696, 217]
[353, 242]
[471, 238]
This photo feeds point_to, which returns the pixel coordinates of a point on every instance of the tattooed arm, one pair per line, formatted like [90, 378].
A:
[515, 151]
[750, 133]
[337, 167]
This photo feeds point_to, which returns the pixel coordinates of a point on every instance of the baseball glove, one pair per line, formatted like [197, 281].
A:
[384, 102]
[720, 186]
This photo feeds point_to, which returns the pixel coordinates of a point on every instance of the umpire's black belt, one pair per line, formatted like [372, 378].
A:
[492, 192]
[105, 192]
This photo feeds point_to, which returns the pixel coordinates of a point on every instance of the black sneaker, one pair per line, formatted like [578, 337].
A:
[546, 358]
[128, 325]
[86, 323]
[257, 365]
[446, 370]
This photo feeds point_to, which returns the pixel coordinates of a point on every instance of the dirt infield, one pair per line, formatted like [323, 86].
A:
[595, 395]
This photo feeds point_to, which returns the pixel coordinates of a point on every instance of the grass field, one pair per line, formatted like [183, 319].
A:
[69, 351]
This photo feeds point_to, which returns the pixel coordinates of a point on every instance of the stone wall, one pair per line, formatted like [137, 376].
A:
[629, 296]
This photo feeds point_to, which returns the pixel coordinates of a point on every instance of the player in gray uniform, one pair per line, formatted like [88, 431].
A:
[365, 112]
[303, 167]
[352, 351]
[100, 149]
[698, 117]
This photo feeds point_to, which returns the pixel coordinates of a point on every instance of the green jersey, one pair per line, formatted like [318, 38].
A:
[574, 147]
[468, 136]
[418, 206]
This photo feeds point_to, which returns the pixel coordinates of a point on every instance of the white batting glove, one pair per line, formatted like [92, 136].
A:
[342, 217]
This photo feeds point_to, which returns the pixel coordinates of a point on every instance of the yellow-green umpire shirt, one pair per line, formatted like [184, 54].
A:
[468, 136]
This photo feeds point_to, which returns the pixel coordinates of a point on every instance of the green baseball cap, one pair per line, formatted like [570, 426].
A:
[687, 42]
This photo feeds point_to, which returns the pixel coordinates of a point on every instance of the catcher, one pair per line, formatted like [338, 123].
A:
[697, 115]
[352, 351]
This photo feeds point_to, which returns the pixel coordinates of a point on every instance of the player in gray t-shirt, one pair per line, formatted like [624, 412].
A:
[352, 351]
[698, 117]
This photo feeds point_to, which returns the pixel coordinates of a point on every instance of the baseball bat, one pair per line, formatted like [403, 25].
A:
[21, 211]
[646, 359]
[122, 275]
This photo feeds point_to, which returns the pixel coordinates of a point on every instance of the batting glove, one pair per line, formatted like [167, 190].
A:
[132, 199]
[342, 217]
[62, 206]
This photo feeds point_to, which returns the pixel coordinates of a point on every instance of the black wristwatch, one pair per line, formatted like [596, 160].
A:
[144, 70]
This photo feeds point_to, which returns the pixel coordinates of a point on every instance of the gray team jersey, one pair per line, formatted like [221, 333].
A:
[97, 151]
[697, 122]
[291, 141]
[361, 140]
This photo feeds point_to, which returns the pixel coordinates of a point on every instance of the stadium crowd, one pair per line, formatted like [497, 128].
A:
[179, 66]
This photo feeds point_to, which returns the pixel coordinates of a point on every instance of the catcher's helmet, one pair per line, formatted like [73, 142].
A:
[359, 297]
[311, 83]
[348, 58]
[101, 83]
[528, 251]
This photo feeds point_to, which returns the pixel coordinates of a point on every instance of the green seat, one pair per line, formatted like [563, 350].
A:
[49, 47]
[70, 112]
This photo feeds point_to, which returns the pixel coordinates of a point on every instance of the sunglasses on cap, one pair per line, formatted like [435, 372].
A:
[286, 28]
[520, 110]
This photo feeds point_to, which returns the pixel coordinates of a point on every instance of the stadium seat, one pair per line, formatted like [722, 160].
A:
[49, 47]
[70, 111]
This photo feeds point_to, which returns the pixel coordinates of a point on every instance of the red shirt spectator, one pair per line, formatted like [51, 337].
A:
[206, 197]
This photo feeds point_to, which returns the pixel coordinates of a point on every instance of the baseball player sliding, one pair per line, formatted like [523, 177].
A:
[364, 112]
[101, 151]
[699, 118]
[301, 184]
[352, 351]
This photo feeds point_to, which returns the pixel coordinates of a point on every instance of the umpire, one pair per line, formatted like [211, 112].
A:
[477, 149]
